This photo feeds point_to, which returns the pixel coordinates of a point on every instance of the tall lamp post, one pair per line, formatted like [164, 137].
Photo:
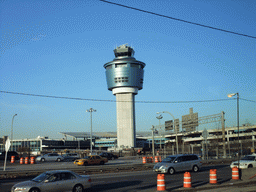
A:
[12, 132]
[177, 146]
[90, 111]
[159, 118]
[237, 96]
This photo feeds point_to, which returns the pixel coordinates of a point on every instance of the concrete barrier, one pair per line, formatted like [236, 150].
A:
[246, 174]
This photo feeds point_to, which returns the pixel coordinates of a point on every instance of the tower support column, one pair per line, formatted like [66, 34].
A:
[125, 110]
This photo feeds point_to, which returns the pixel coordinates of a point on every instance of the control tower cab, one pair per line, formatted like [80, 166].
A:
[124, 78]
[124, 73]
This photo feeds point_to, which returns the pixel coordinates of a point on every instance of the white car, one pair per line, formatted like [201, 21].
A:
[55, 181]
[248, 161]
[50, 157]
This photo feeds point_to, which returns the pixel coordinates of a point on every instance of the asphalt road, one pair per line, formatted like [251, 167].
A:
[140, 180]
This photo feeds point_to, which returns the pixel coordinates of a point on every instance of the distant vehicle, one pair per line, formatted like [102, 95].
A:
[71, 156]
[50, 157]
[91, 160]
[109, 156]
[9, 155]
[57, 181]
[176, 163]
[248, 161]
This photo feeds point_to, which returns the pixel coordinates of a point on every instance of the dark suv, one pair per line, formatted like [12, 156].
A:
[9, 155]
[109, 156]
[175, 163]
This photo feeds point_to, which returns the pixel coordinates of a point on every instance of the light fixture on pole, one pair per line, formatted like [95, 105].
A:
[174, 126]
[90, 111]
[159, 118]
[12, 132]
[237, 96]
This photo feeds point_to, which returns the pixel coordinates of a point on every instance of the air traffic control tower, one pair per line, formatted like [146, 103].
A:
[124, 78]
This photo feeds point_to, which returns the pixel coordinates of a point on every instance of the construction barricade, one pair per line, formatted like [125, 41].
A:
[26, 160]
[144, 159]
[213, 176]
[32, 160]
[21, 160]
[160, 182]
[187, 180]
[12, 159]
[156, 159]
[235, 173]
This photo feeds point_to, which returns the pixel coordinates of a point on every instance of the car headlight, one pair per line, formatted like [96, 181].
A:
[163, 167]
[20, 189]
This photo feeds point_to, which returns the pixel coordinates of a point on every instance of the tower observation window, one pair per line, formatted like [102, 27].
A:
[120, 79]
[135, 65]
[121, 65]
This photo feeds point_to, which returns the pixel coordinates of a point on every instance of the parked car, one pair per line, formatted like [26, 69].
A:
[50, 157]
[91, 160]
[71, 156]
[109, 156]
[176, 163]
[9, 155]
[57, 181]
[248, 161]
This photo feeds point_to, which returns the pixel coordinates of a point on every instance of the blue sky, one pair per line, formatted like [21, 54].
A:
[59, 47]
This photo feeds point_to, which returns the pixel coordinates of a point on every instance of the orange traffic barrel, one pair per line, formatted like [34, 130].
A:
[149, 160]
[235, 173]
[32, 160]
[156, 159]
[26, 160]
[187, 180]
[160, 159]
[213, 176]
[13, 159]
[144, 159]
[21, 160]
[160, 182]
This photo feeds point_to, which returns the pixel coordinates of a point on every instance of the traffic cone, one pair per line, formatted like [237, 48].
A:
[160, 182]
[187, 180]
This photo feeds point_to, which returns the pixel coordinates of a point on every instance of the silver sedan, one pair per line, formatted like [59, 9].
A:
[57, 181]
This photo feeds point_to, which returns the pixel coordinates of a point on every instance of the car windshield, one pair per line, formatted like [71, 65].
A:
[249, 158]
[169, 159]
[87, 157]
[41, 177]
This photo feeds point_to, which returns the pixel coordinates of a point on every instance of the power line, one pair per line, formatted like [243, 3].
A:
[247, 100]
[102, 100]
[193, 23]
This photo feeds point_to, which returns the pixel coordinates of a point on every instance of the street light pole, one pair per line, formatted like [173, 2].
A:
[159, 118]
[177, 146]
[153, 140]
[237, 97]
[12, 132]
[90, 111]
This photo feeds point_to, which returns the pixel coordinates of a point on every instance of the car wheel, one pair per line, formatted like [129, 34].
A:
[58, 159]
[78, 188]
[34, 190]
[102, 163]
[85, 163]
[195, 168]
[43, 160]
[171, 171]
[113, 158]
[250, 166]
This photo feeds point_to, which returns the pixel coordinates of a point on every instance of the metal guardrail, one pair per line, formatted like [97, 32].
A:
[79, 169]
